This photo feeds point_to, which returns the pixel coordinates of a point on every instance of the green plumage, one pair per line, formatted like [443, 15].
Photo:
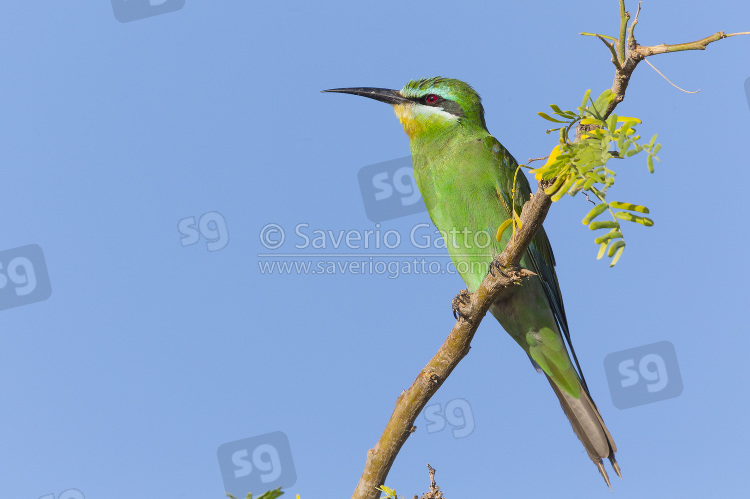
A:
[471, 184]
[466, 179]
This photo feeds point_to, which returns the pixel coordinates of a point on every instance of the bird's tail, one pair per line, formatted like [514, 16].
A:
[589, 427]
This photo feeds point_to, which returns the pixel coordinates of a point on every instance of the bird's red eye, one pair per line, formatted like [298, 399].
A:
[431, 99]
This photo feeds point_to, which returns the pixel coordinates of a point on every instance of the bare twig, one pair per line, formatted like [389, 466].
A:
[611, 47]
[607, 37]
[635, 22]
[678, 47]
[531, 160]
[624, 18]
[670, 81]
[435, 492]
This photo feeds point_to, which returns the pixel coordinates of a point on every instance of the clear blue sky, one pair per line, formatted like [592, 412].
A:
[154, 350]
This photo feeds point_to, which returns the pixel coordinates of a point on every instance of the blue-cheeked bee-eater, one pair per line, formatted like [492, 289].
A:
[466, 178]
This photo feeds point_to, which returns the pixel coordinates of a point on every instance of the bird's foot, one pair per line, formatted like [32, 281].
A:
[513, 272]
[496, 265]
[460, 301]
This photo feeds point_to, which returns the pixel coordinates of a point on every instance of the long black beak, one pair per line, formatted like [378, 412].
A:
[392, 97]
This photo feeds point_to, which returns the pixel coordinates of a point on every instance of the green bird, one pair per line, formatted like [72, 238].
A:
[470, 185]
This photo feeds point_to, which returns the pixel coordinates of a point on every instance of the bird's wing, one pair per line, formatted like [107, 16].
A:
[539, 254]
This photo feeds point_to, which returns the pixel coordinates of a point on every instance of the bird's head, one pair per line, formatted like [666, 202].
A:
[430, 106]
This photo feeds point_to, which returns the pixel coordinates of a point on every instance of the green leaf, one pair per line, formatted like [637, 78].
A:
[624, 215]
[602, 249]
[590, 182]
[584, 169]
[611, 123]
[556, 185]
[552, 172]
[585, 99]
[609, 224]
[617, 255]
[628, 206]
[613, 234]
[271, 494]
[595, 212]
[566, 114]
[565, 188]
[614, 247]
[603, 101]
[591, 121]
[549, 118]
[390, 493]
[579, 183]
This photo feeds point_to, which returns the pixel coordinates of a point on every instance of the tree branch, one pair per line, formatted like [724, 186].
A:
[696, 45]
[636, 53]
[411, 402]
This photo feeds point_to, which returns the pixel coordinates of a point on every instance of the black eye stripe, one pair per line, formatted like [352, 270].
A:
[447, 105]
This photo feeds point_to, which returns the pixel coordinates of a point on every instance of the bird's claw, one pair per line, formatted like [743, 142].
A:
[460, 301]
[495, 264]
